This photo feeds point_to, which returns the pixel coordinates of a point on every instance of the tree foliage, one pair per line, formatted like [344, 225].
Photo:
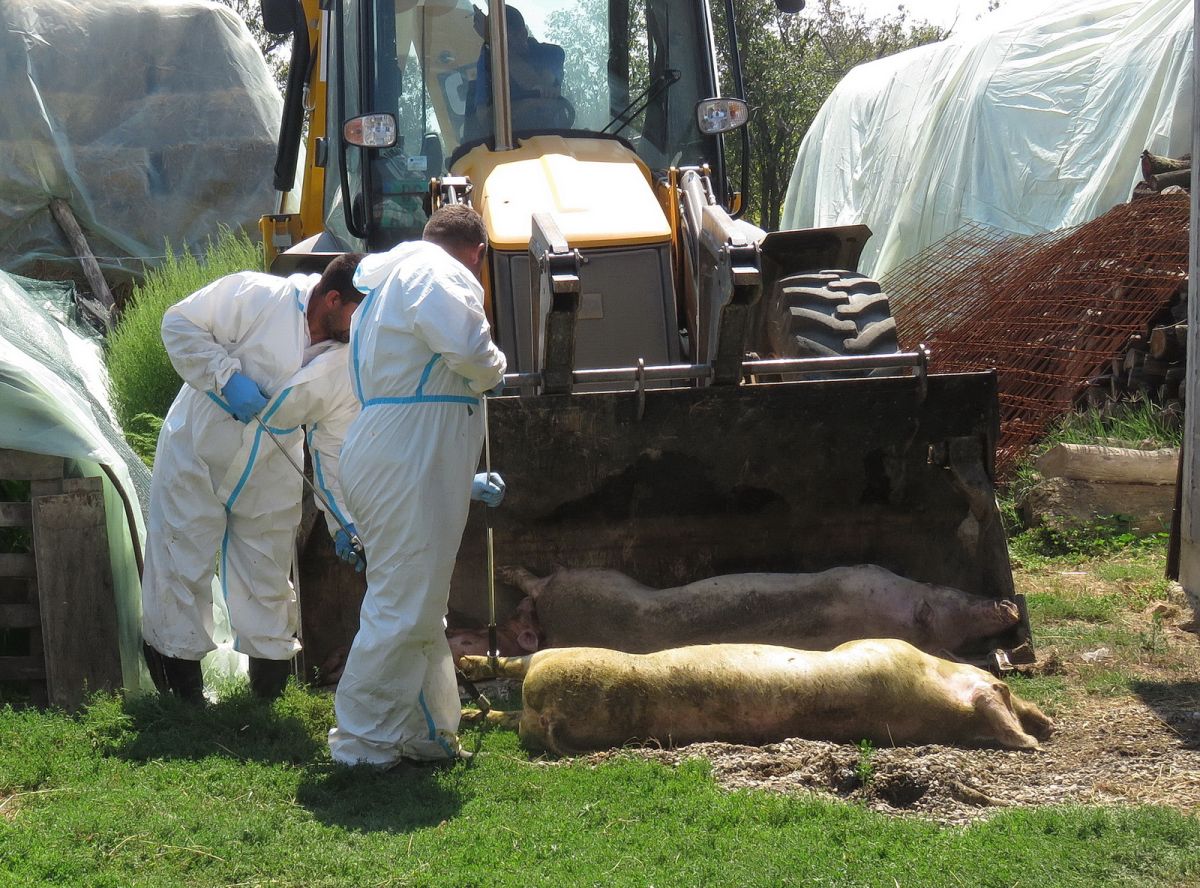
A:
[791, 63]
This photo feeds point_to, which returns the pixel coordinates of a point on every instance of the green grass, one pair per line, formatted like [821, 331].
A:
[150, 793]
[143, 381]
[1131, 423]
[1050, 692]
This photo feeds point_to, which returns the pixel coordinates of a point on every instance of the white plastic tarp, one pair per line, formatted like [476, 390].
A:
[54, 400]
[155, 120]
[1030, 121]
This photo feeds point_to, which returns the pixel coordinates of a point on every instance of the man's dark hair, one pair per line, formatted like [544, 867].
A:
[339, 275]
[455, 225]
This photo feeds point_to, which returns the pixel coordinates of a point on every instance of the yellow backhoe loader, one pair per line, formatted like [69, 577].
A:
[688, 395]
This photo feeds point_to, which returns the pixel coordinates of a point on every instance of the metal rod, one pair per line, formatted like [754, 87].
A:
[493, 645]
[704, 371]
[501, 98]
[355, 542]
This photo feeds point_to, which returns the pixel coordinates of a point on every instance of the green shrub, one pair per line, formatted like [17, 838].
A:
[143, 381]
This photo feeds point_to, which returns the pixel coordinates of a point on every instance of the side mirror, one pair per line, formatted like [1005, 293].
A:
[280, 16]
[370, 131]
[789, 7]
[721, 115]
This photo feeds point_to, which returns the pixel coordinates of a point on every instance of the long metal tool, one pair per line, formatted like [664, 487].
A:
[493, 645]
[355, 542]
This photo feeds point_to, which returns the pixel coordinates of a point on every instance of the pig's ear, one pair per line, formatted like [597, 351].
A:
[527, 640]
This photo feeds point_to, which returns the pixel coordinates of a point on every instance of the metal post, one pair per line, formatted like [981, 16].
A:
[501, 98]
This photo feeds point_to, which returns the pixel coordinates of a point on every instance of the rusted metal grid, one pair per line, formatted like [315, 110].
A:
[1047, 311]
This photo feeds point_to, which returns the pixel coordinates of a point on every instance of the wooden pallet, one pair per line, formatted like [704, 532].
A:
[57, 611]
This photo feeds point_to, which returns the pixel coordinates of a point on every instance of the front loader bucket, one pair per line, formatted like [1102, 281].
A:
[790, 477]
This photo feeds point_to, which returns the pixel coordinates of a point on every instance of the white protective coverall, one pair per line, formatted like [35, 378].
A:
[421, 352]
[220, 484]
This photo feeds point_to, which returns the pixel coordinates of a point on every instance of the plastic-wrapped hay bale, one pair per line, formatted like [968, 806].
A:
[223, 164]
[112, 175]
[126, 109]
[167, 120]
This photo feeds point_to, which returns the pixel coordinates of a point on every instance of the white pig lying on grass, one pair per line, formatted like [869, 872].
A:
[882, 690]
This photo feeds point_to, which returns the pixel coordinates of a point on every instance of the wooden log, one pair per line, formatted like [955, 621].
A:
[1141, 191]
[1134, 358]
[1112, 465]
[75, 592]
[1153, 164]
[1168, 343]
[1071, 502]
[61, 211]
[1181, 178]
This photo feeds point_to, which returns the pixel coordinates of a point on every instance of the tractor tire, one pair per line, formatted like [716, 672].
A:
[823, 314]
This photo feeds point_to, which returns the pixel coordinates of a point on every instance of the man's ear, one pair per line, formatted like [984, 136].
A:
[480, 250]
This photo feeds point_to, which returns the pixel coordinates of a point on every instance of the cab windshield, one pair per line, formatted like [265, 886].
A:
[628, 68]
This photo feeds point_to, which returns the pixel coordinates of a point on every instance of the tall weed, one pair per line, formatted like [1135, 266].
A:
[143, 381]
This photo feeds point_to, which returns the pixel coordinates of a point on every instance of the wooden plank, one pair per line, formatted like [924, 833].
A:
[15, 564]
[19, 616]
[1087, 462]
[45, 487]
[22, 669]
[1189, 543]
[75, 589]
[16, 515]
[18, 465]
[71, 485]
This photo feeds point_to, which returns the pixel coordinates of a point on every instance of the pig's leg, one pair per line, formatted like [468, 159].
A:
[993, 705]
[495, 717]
[522, 579]
[478, 668]
[1033, 720]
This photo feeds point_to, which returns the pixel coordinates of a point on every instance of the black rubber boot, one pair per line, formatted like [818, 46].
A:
[173, 675]
[268, 677]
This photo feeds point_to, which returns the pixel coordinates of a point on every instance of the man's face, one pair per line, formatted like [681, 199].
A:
[336, 322]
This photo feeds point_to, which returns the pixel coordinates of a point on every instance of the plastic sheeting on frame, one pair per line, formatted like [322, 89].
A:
[1029, 122]
[54, 400]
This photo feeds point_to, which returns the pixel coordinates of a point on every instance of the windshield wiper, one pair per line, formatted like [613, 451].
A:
[642, 100]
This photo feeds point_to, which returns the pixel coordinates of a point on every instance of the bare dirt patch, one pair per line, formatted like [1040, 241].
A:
[1107, 751]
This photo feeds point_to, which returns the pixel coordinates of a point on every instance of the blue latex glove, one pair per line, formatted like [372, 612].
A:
[496, 391]
[243, 396]
[489, 491]
[345, 547]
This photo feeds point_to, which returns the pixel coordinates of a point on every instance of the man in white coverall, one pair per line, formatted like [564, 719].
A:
[421, 356]
[221, 491]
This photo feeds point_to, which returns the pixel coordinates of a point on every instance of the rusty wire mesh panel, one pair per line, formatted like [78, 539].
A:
[1047, 311]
